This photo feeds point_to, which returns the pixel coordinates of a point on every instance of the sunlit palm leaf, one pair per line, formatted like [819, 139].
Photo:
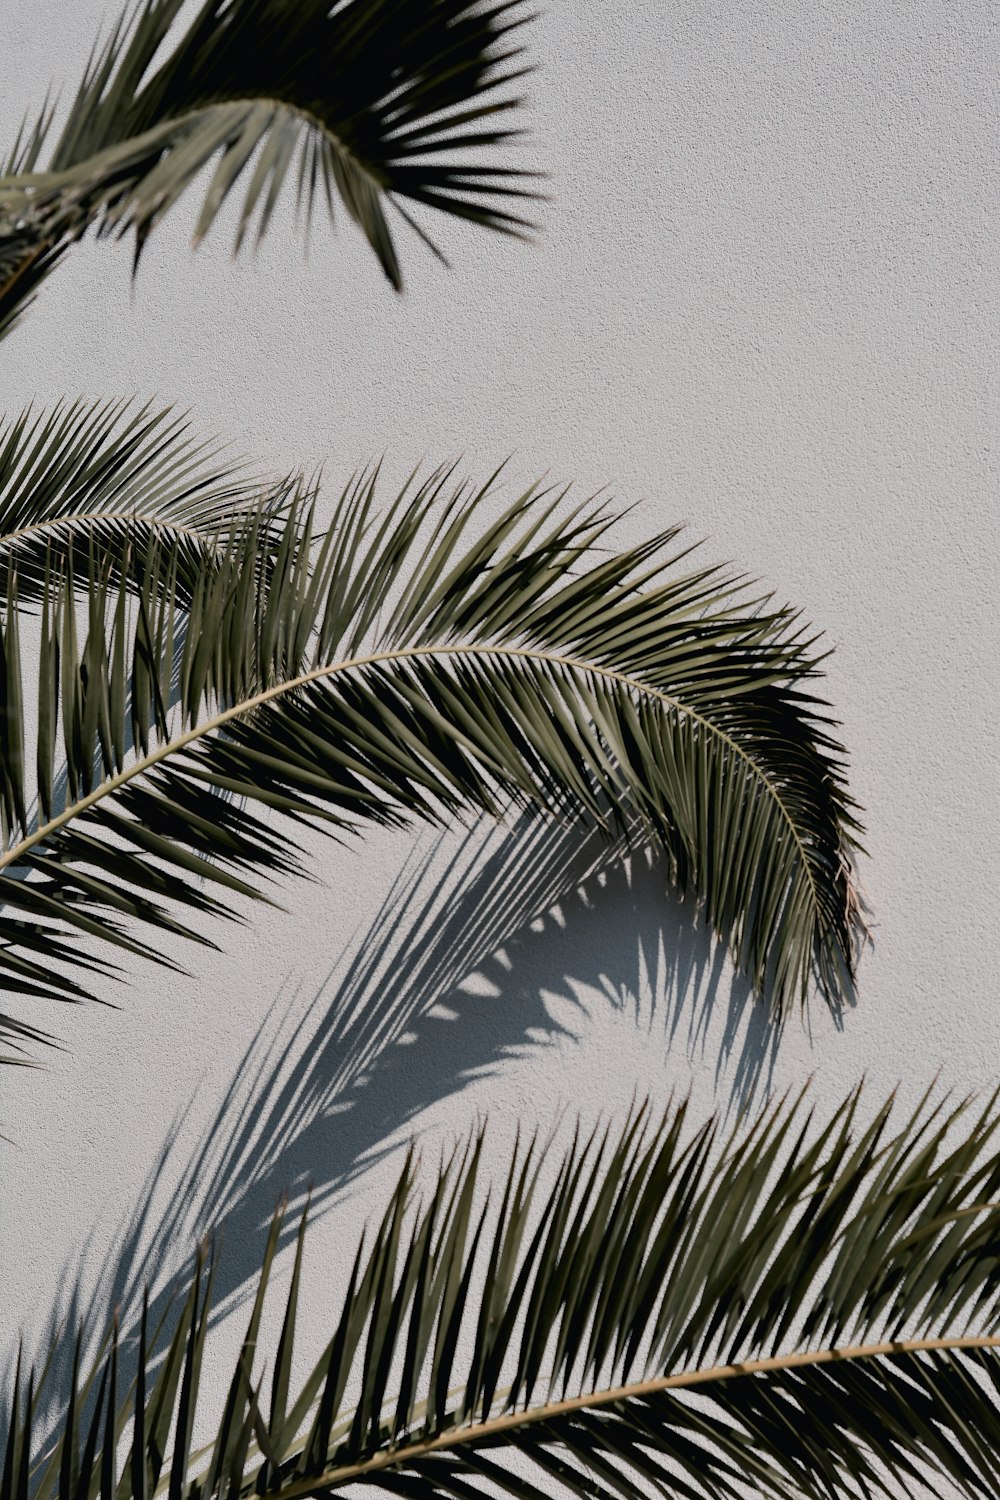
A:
[397, 669]
[793, 1310]
[372, 103]
[110, 476]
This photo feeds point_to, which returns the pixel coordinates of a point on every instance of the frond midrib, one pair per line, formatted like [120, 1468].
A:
[68, 176]
[89, 518]
[332, 669]
[469, 1434]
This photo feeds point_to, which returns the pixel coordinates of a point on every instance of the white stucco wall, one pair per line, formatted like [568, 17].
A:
[765, 302]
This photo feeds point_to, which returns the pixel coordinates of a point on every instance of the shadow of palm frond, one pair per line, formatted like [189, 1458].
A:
[445, 984]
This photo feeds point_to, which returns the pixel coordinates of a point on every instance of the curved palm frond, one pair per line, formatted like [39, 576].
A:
[396, 669]
[793, 1310]
[366, 102]
[113, 476]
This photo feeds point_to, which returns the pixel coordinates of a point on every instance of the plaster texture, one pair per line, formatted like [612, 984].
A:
[765, 302]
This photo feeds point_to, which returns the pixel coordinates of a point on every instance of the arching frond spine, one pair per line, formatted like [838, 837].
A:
[403, 666]
[664, 1307]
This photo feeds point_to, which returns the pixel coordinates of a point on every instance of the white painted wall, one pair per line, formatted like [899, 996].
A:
[766, 302]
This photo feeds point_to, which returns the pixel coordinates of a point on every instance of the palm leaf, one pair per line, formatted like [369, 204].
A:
[113, 476]
[417, 663]
[372, 103]
[795, 1309]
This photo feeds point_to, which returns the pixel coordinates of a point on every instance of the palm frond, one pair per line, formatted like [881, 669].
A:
[795, 1309]
[368, 103]
[106, 477]
[402, 667]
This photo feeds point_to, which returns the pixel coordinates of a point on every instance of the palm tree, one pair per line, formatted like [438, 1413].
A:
[394, 669]
[372, 106]
[201, 644]
[795, 1310]
[213, 667]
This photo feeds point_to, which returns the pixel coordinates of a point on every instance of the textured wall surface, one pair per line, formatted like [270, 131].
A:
[765, 302]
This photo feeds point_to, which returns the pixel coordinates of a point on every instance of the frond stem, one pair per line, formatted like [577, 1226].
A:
[317, 674]
[25, 263]
[70, 177]
[91, 518]
[466, 1436]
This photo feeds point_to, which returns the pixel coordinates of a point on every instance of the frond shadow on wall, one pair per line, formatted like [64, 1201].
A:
[447, 983]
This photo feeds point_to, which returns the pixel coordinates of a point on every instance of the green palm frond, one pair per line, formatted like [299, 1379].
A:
[369, 103]
[106, 477]
[417, 663]
[796, 1309]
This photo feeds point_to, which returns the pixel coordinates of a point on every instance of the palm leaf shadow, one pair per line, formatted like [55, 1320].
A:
[326, 1084]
